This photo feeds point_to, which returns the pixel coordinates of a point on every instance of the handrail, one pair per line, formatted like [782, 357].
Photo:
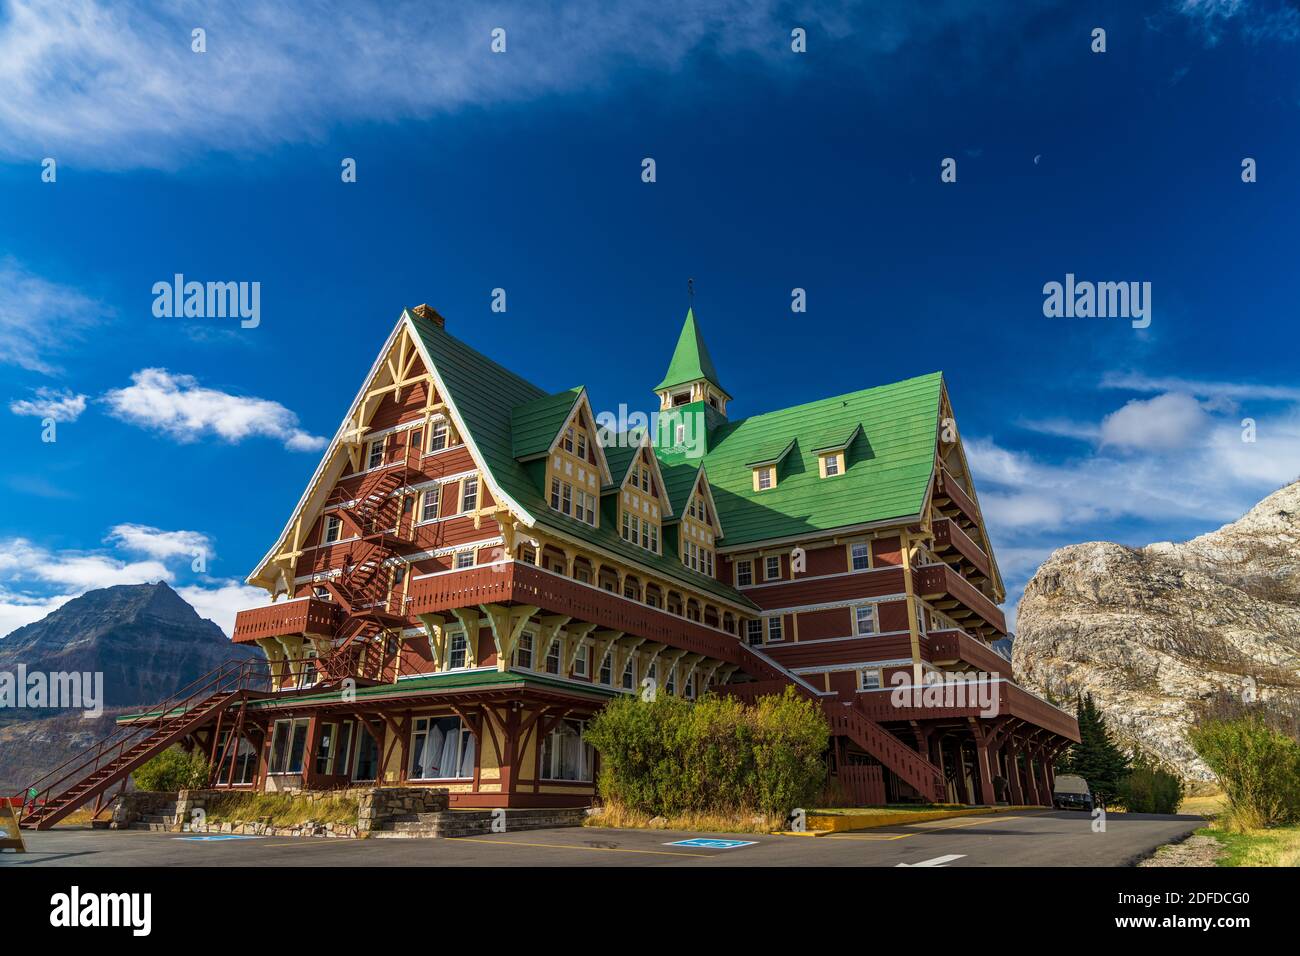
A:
[179, 706]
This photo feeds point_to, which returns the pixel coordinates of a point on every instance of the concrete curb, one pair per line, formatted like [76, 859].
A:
[821, 824]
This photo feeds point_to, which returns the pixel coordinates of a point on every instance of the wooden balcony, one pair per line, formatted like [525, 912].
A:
[957, 597]
[1005, 699]
[301, 616]
[947, 487]
[948, 535]
[948, 648]
[515, 582]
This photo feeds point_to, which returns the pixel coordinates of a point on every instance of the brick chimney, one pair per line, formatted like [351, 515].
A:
[429, 312]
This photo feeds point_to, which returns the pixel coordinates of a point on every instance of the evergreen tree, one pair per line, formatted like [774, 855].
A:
[1096, 758]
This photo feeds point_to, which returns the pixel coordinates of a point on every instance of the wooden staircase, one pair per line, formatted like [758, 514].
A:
[91, 772]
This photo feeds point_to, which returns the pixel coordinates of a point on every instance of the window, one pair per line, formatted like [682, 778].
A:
[376, 456]
[582, 445]
[654, 538]
[367, 756]
[627, 525]
[670, 685]
[288, 744]
[580, 662]
[568, 439]
[429, 503]
[831, 465]
[464, 559]
[524, 651]
[469, 494]
[764, 479]
[774, 629]
[744, 573]
[458, 651]
[566, 497]
[565, 754]
[861, 554]
[754, 632]
[865, 618]
[606, 675]
[869, 679]
[438, 436]
[343, 749]
[688, 688]
[772, 567]
[680, 435]
[333, 529]
[553, 658]
[707, 567]
[585, 509]
[441, 748]
[244, 757]
[555, 494]
[645, 479]
[629, 677]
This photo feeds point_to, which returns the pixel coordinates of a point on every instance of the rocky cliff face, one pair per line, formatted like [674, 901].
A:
[1149, 632]
[146, 641]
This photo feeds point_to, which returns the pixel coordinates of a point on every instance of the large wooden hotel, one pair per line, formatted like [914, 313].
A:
[476, 567]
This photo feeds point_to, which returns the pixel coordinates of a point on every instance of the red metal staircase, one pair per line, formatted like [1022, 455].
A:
[91, 772]
[383, 524]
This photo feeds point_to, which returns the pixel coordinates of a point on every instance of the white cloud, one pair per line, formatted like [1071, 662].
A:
[1134, 382]
[38, 318]
[17, 610]
[20, 560]
[220, 603]
[62, 405]
[160, 544]
[1163, 423]
[178, 406]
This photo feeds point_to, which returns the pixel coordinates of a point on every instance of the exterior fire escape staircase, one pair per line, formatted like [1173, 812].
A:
[90, 773]
[382, 528]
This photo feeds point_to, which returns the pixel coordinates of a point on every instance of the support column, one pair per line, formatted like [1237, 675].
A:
[1013, 772]
[1046, 791]
[1031, 785]
[985, 764]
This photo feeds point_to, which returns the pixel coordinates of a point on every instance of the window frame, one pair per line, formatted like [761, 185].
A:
[436, 492]
[469, 494]
[767, 567]
[853, 560]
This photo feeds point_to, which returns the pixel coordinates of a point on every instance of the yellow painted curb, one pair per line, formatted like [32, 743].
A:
[840, 822]
[811, 833]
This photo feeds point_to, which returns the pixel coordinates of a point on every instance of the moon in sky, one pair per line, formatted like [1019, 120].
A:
[1037, 158]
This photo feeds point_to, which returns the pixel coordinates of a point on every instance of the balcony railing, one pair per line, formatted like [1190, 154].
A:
[307, 615]
[948, 487]
[1005, 699]
[947, 533]
[932, 580]
[949, 646]
[521, 583]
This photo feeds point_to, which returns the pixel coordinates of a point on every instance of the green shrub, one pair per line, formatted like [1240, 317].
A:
[1257, 766]
[1150, 789]
[173, 769]
[669, 756]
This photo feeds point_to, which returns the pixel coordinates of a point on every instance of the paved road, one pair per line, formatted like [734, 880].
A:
[1029, 838]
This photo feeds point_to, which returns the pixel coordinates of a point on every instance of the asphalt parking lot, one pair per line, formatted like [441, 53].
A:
[1029, 838]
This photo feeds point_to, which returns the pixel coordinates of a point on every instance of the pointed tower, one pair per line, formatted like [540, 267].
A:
[691, 376]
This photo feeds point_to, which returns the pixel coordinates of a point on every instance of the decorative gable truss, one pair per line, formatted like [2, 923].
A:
[959, 532]
[576, 468]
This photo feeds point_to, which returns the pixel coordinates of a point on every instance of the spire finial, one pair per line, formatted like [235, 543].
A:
[690, 293]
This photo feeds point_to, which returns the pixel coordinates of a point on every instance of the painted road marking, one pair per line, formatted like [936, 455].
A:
[572, 846]
[214, 839]
[937, 861]
[920, 830]
[708, 843]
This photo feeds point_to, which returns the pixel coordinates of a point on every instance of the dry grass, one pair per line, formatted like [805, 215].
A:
[280, 809]
[1207, 805]
[616, 815]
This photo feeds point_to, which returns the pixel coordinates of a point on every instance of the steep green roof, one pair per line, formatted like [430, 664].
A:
[620, 452]
[534, 425]
[887, 468]
[485, 394]
[691, 360]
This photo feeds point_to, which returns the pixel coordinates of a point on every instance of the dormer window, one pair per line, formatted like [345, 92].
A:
[568, 439]
[832, 464]
[764, 478]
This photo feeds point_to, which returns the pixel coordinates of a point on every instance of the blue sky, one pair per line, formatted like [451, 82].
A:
[522, 171]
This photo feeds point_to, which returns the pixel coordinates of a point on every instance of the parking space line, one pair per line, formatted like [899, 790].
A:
[570, 846]
[920, 830]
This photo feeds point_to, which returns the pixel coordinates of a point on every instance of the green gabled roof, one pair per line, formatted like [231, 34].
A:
[485, 395]
[534, 425]
[620, 452]
[887, 473]
[771, 455]
[691, 360]
[679, 478]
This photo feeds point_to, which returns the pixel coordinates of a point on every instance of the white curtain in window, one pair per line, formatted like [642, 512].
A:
[447, 761]
[428, 753]
[467, 757]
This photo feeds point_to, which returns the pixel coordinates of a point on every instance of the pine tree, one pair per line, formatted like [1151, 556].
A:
[1096, 758]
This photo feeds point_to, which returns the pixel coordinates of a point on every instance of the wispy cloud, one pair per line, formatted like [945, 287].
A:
[178, 406]
[40, 319]
[160, 544]
[1136, 382]
[62, 405]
